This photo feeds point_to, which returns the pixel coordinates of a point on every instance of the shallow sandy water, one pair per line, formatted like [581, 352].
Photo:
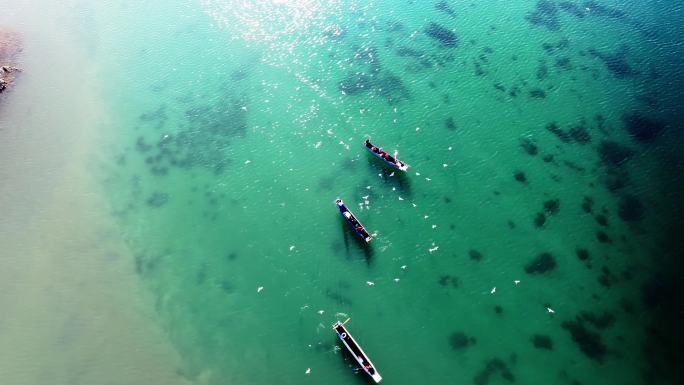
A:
[57, 242]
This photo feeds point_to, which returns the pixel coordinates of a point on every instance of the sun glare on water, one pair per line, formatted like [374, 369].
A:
[276, 21]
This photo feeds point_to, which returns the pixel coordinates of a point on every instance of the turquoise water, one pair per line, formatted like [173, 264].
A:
[537, 134]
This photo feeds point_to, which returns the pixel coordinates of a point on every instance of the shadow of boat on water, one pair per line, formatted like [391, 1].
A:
[390, 176]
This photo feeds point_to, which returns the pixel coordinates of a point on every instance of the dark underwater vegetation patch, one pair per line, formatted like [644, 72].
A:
[574, 166]
[391, 87]
[597, 9]
[539, 220]
[599, 321]
[460, 341]
[520, 176]
[479, 70]
[201, 140]
[144, 264]
[529, 146]
[552, 206]
[157, 199]
[492, 367]
[141, 145]
[563, 63]
[404, 51]
[601, 220]
[613, 153]
[630, 208]
[588, 341]
[558, 132]
[498, 309]
[572, 8]
[582, 254]
[605, 280]
[450, 124]
[158, 115]
[643, 129]
[227, 287]
[444, 36]
[541, 264]
[551, 48]
[541, 341]
[616, 179]
[443, 6]
[587, 204]
[448, 280]
[591, 8]
[580, 134]
[542, 70]
[356, 84]
[367, 56]
[545, 15]
[475, 255]
[616, 62]
[537, 93]
[602, 237]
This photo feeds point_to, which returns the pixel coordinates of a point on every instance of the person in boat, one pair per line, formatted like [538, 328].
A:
[359, 228]
[375, 149]
[387, 157]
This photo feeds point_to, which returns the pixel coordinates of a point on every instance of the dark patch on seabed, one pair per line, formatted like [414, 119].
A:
[200, 141]
[493, 367]
[460, 341]
[447, 280]
[475, 255]
[444, 36]
[443, 6]
[546, 15]
[615, 62]
[373, 80]
[541, 341]
[642, 128]
[541, 264]
[589, 341]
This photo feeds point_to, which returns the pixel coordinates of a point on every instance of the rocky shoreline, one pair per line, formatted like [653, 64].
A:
[10, 47]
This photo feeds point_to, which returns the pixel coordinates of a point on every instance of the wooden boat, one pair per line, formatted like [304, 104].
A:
[356, 351]
[351, 219]
[385, 156]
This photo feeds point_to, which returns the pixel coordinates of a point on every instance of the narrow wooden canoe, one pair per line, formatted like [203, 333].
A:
[356, 351]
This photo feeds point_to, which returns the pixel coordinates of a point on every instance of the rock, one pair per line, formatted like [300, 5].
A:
[10, 47]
